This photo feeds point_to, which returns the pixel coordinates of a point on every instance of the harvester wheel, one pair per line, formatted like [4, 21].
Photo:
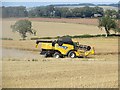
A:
[46, 55]
[71, 54]
[56, 55]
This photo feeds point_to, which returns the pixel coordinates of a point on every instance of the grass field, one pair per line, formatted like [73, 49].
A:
[22, 66]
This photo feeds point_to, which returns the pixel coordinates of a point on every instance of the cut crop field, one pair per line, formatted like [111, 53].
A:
[29, 69]
[52, 29]
[24, 67]
[102, 45]
[87, 21]
[60, 73]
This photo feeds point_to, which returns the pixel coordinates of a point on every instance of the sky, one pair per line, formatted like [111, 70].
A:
[33, 3]
[83, 1]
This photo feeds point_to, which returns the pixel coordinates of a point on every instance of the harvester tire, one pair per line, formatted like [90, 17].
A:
[46, 55]
[71, 54]
[56, 55]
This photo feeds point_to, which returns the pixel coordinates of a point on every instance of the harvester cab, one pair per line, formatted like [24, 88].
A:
[64, 47]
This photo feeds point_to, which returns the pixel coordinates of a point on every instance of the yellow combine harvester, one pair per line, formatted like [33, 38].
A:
[64, 47]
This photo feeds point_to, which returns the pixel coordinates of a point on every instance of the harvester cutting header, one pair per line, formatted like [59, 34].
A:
[64, 47]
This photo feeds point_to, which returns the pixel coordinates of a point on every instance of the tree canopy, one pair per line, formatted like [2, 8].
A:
[51, 11]
[23, 27]
[108, 23]
[54, 11]
[64, 12]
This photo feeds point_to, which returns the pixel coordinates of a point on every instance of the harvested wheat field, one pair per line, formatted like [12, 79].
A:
[87, 21]
[52, 29]
[60, 73]
[101, 45]
[23, 67]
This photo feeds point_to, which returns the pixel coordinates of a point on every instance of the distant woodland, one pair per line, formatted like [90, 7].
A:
[54, 11]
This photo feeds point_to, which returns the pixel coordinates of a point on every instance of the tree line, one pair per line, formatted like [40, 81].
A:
[64, 12]
[53, 12]
[19, 11]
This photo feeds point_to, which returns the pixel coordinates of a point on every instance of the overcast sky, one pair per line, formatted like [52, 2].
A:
[82, 1]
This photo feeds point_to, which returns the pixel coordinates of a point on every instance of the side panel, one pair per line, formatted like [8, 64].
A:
[64, 49]
[46, 46]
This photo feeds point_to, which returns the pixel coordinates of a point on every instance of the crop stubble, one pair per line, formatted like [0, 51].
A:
[29, 69]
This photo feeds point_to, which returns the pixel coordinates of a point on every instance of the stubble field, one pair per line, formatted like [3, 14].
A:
[24, 67]
[49, 28]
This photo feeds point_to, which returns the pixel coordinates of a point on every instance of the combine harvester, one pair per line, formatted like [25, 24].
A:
[64, 47]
